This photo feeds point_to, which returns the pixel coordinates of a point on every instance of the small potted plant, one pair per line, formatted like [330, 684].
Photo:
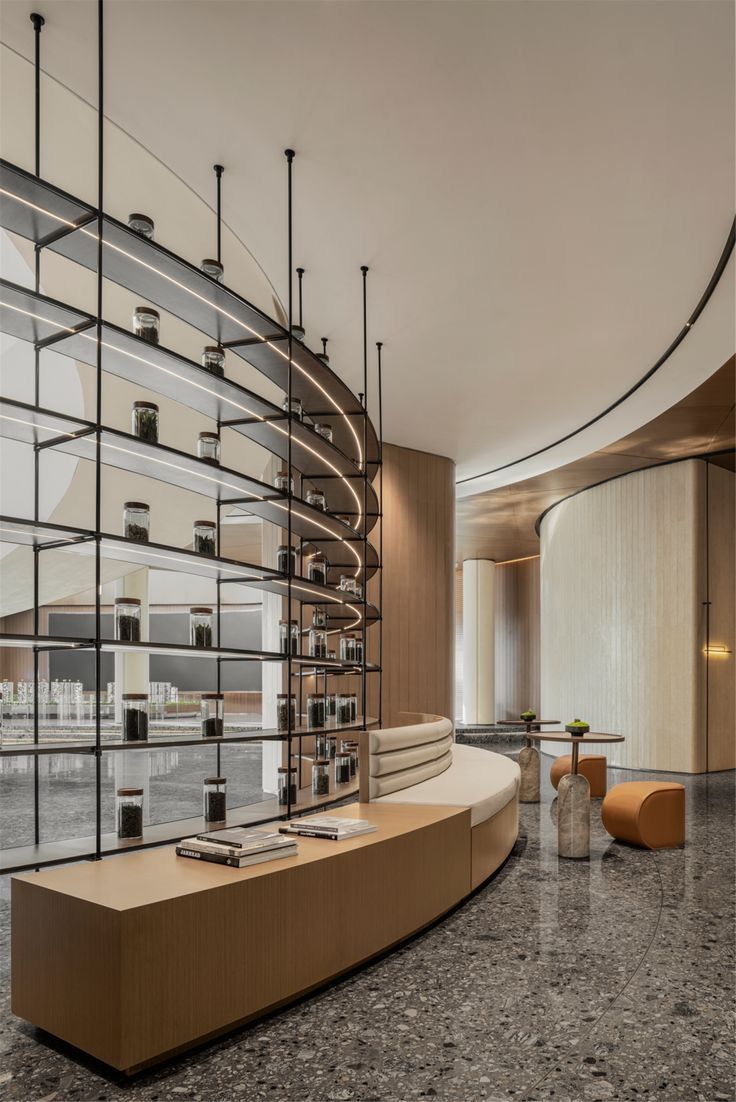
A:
[528, 716]
[577, 728]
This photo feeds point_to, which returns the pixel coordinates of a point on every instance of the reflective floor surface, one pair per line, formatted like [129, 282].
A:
[611, 978]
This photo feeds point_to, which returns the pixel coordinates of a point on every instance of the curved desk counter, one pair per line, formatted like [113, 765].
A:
[135, 958]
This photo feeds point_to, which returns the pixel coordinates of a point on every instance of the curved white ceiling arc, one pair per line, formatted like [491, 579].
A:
[541, 190]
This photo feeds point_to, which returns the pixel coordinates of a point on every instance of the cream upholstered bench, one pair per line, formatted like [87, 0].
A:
[420, 763]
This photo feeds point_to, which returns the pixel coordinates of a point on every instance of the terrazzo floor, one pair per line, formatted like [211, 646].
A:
[563, 980]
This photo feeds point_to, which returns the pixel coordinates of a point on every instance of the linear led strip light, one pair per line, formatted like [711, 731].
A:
[199, 386]
[209, 478]
[195, 294]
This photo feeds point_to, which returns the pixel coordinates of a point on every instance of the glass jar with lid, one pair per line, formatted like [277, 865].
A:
[317, 642]
[136, 521]
[352, 697]
[343, 711]
[324, 430]
[214, 799]
[200, 626]
[283, 483]
[213, 269]
[208, 447]
[347, 648]
[145, 421]
[204, 537]
[316, 713]
[286, 559]
[287, 785]
[212, 714]
[321, 777]
[317, 569]
[359, 650]
[289, 636]
[129, 813]
[296, 408]
[322, 746]
[320, 618]
[348, 583]
[317, 499]
[285, 706]
[331, 709]
[135, 717]
[342, 767]
[213, 359]
[142, 224]
[146, 323]
[128, 619]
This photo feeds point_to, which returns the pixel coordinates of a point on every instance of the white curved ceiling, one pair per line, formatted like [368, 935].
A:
[541, 190]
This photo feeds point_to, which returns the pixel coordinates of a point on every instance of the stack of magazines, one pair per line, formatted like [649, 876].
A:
[239, 847]
[328, 826]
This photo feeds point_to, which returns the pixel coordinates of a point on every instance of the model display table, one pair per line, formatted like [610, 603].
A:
[573, 794]
[140, 956]
[528, 758]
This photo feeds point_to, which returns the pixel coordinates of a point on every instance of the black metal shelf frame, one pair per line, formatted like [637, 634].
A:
[344, 468]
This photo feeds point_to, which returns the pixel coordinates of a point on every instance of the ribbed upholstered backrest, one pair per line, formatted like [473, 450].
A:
[399, 757]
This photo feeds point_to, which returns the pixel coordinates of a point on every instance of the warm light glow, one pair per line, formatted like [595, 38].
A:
[716, 650]
[508, 562]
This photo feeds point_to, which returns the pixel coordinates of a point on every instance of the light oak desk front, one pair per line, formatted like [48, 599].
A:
[136, 957]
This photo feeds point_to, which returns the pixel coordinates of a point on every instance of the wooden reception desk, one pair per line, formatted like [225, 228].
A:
[137, 957]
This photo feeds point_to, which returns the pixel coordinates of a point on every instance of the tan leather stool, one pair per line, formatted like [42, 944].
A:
[592, 766]
[646, 813]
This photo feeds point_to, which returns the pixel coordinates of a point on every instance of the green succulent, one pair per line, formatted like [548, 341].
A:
[528, 715]
[577, 727]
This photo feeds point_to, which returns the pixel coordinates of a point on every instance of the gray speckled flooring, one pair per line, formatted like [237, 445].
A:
[560, 980]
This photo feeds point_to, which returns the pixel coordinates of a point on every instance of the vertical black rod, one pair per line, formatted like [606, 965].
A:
[379, 346]
[289, 154]
[36, 628]
[300, 273]
[707, 616]
[219, 169]
[38, 22]
[324, 347]
[364, 633]
[218, 546]
[98, 452]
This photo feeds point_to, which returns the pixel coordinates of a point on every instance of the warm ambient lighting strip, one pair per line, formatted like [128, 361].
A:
[24, 532]
[716, 650]
[276, 504]
[199, 386]
[109, 244]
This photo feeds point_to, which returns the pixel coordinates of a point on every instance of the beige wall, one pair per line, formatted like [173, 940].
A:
[418, 599]
[623, 582]
[721, 683]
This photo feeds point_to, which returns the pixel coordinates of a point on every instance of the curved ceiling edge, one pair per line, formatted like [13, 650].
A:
[606, 427]
[705, 456]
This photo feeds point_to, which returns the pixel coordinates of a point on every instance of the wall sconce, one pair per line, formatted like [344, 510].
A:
[716, 650]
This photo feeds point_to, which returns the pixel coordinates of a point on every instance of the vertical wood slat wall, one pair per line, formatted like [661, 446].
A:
[418, 586]
[517, 639]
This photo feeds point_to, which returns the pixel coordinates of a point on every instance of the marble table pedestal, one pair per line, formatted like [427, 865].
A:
[573, 816]
[529, 765]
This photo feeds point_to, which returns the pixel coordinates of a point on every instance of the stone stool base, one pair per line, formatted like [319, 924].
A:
[529, 765]
[573, 816]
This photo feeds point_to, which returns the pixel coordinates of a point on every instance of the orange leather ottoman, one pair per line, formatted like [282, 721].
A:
[592, 766]
[646, 813]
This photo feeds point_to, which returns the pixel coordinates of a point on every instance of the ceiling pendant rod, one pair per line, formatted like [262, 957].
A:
[219, 169]
[300, 273]
[364, 403]
[325, 357]
[379, 346]
[289, 154]
[38, 22]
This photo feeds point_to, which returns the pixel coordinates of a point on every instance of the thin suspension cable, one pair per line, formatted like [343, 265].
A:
[289, 154]
[364, 401]
[300, 274]
[219, 169]
[98, 434]
[379, 347]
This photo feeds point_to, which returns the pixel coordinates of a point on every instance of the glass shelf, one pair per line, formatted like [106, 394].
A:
[34, 317]
[34, 209]
[75, 849]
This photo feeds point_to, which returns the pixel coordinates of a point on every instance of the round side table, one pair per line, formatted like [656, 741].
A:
[528, 758]
[573, 794]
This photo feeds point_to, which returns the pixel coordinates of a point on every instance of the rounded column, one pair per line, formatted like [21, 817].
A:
[479, 641]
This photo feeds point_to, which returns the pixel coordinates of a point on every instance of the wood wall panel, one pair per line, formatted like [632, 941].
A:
[418, 584]
[721, 685]
[621, 596]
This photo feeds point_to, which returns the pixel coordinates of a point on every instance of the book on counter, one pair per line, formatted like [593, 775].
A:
[238, 848]
[328, 826]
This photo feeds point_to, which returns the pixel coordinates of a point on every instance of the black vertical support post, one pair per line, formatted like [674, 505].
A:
[218, 547]
[98, 434]
[219, 169]
[300, 275]
[324, 347]
[36, 626]
[379, 346]
[289, 154]
[364, 633]
[38, 22]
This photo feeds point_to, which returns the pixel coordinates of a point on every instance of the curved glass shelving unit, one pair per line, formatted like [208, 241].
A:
[343, 468]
